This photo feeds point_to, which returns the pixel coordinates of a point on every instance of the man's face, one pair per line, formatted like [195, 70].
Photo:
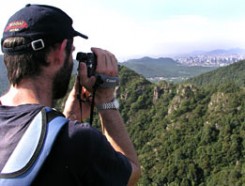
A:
[62, 78]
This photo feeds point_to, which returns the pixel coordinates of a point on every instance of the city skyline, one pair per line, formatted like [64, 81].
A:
[137, 28]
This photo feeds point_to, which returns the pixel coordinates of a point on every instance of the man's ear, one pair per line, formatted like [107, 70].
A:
[59, 52]
[62, 47]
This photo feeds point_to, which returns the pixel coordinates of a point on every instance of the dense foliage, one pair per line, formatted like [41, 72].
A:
[187, 135]
[232, 74]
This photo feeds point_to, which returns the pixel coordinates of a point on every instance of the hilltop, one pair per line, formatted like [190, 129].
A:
[167, 68]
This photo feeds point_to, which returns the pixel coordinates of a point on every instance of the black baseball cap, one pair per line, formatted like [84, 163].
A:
[41, 25]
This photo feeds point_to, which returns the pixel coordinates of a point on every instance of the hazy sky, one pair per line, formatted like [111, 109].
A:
[137, 28]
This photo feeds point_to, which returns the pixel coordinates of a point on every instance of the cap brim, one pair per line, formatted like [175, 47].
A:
[76, 33]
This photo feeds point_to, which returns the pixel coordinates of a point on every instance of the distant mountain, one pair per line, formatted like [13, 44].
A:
[218, 52]
[164, 67]
[150, 67]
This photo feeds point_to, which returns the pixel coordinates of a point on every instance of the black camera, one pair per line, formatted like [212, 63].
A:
[90, 60]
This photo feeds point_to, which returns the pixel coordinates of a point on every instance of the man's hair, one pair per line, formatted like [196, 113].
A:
[29, 36]
[25, 65]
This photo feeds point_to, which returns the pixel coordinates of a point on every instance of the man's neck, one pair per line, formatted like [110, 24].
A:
[28, 92]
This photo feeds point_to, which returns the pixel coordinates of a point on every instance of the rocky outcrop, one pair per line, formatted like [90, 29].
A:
[183, 94]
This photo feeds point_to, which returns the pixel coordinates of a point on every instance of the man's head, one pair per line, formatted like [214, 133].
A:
[42, 25]
[30, 35]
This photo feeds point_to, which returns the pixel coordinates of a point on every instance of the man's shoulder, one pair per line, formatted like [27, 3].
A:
[78, 129]
[79, 136]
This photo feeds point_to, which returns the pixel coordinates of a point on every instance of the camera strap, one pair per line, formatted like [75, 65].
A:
[102, 81]
[79, 94]
[105, 81]
[92, 103]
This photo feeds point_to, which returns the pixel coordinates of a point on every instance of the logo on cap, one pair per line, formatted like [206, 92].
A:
[16, 26]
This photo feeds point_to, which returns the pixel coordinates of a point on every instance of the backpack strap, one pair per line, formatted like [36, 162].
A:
[32, 150]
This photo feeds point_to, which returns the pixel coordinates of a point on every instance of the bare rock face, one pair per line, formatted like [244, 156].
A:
[183, 94]
[163, 88]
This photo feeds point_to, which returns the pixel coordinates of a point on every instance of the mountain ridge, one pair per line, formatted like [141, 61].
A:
[164, 67]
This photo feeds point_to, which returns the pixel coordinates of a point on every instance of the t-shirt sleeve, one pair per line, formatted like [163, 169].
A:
[112, 166]
[106, 166]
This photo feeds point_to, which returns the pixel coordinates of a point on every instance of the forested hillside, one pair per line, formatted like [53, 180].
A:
[186, 134]
[224, 75]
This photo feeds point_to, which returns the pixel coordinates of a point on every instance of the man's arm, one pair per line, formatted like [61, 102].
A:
[114, 129]
[111, 122]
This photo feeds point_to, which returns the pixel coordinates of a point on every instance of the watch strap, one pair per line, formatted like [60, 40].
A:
[107, 106]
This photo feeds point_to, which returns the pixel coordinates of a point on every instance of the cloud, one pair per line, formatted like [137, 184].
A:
[180, 34]
[132, 31]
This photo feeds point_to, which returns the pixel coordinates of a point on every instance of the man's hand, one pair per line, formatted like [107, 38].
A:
[107, 65]
[73, 105]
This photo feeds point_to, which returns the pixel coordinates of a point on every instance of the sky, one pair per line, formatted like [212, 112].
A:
[154, 28]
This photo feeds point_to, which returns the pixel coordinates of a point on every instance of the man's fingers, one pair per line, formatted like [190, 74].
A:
[106, 62]
[86, 81]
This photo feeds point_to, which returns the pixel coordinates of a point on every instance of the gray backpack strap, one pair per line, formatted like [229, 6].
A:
[31, 151]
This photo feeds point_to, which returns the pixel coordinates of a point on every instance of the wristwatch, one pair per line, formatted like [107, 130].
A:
[113, 105]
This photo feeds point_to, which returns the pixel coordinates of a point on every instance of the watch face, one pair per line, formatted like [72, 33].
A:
[116, 103]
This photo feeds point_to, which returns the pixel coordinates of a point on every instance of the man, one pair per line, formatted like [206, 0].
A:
[37, 44]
